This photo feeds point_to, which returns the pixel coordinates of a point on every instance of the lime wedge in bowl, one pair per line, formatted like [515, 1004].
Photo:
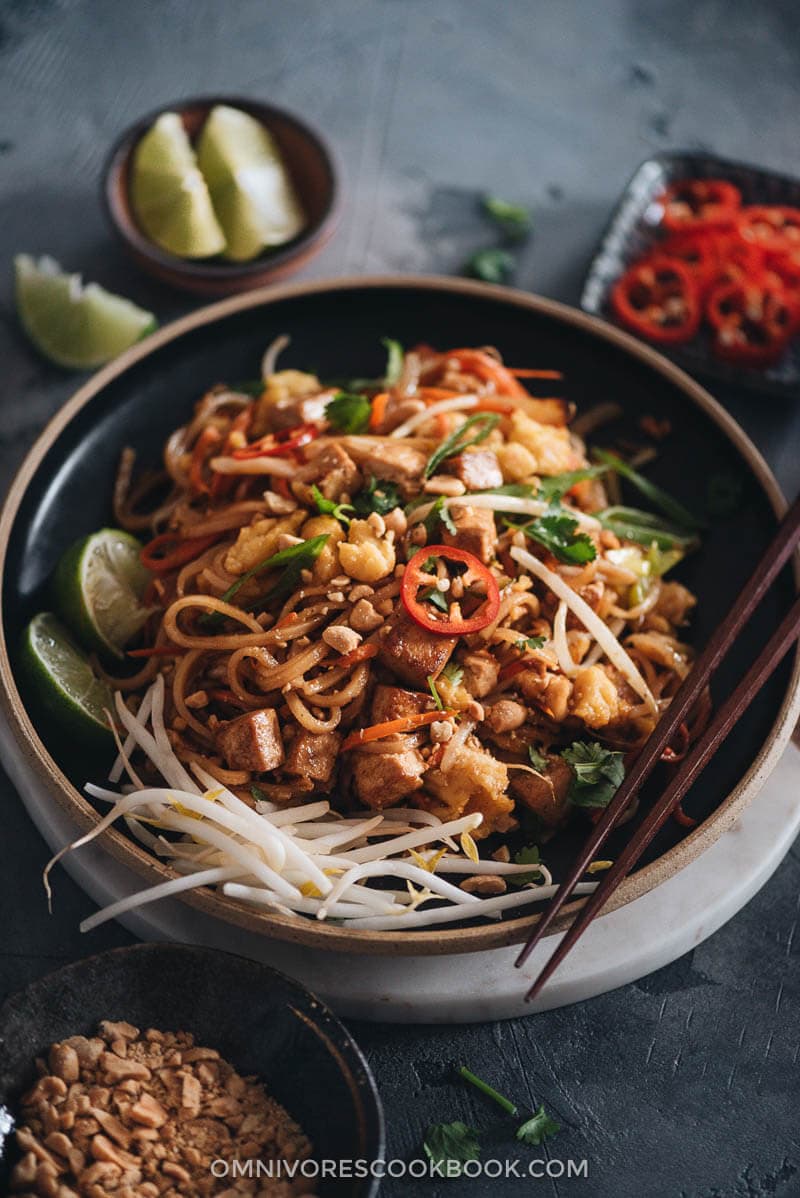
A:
[98, 586]
[74, 324]
[250, 188]
[60, 677]
[169, 194]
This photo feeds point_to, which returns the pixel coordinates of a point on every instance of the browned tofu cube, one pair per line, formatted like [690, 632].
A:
[383, 779]
[478, 469]
[395, 703]
[413, 653]
[481, 671]
[312, 755]
[252, 741]
[475, 531]
[545, 796]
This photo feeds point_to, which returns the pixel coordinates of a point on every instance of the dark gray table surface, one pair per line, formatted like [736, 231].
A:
[684, 1084]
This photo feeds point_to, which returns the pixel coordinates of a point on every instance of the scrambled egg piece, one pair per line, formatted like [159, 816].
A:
[326, 566]
[259, 541]
[476, 781]
[366, 555]
[548, 444]
[594, 697]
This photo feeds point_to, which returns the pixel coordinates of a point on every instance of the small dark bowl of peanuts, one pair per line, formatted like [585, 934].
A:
[163, 1070]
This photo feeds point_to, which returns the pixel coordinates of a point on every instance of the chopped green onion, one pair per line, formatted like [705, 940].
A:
[458, 441]
[394, 361]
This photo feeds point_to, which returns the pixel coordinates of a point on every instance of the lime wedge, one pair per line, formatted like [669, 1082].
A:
[250, 188]
[72, 324]
[98, 586]
[61, 679]
[169, 195]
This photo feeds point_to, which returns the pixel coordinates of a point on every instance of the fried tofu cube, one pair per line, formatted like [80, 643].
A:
[252, 741]
[478, 469]
[395, 703]
[545, 795]
[313, 755]
[475, 531]
[383, 779]
[413, 653]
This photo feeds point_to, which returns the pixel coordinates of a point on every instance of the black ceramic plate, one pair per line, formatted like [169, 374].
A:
[259, 1020]
[632, 231]
[64, 491]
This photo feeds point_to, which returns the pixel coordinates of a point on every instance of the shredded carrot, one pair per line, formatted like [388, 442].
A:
[209, 437]
[442, 425]
[290, 618]
[406, 724]
[361, 653]
[434, 394]
[184, 550]
[281, 487]
[476, 361]
[493, 405]
[524, 373]
[158, 651]
[378, 409]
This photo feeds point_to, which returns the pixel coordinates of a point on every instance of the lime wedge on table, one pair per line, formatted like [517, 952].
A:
[60, 677]
[99, 584]
[74, 324]
[251, 191]
[169, 195]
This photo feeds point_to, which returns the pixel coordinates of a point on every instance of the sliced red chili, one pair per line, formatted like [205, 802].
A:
[691, 204]
[168, 550]
[658, 299]
[449, 623]
[696, 251]
[279, 445]
[774, 229]
[752, 322]
[736, 259]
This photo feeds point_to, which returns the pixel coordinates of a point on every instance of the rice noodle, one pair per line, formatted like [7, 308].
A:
[271, 355]
[277, 466]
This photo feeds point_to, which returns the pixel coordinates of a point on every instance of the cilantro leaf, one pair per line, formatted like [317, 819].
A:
[327, 507]
[598, 773]
[379, 496]
[537, 1129]
[394, 361]
[453, 673]
[552, 488]
[491, 266]
[449, 1145]
[514, 220]
[537, 759]
[530, 642]
[457, 442]
[526, 856]
[557, 531]
[438, 512]
[348, 412]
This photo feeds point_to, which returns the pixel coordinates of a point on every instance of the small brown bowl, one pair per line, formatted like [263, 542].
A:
[309, 162]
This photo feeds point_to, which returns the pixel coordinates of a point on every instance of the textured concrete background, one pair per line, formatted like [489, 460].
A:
[684, 1085]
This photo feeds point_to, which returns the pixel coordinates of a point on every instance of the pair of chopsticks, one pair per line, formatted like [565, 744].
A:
[694, 762]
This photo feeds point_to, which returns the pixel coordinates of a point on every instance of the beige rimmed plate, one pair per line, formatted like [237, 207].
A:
[63, 490]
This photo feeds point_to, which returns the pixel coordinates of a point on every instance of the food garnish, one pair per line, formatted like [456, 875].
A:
[598, 773]
[471, 572]
[450, 1145]
[538, 1128]
[491, 265]
[507, 1105]
[513, 219]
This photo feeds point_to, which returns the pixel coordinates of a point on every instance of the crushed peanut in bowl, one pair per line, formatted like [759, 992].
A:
[147, 1114]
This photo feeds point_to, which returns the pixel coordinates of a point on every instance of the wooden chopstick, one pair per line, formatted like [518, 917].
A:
[693, 764]
[776, 556]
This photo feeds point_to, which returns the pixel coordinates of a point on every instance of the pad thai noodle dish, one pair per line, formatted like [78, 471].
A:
[395, 633]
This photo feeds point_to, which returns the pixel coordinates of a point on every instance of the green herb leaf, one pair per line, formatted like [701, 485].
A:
[379, 496]
[537, 1129]
[644, 528]
[449, 1145]
[521, 490]
[598, 773]
[327, 507]
[490, 1092]
[724, 494]
[348, 412]
[394, 361]
[552, 488]
[530, 642]
[514, 220]
[537, 759]
[458, 441]
[294, 559]
[491, 266]
[438, 513]
[661, 499]
[453, 673]
[558, 532]
[434, 595]
[526, 856]
[434, 692]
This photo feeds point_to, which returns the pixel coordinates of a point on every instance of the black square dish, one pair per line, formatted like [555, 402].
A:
[633, 230]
